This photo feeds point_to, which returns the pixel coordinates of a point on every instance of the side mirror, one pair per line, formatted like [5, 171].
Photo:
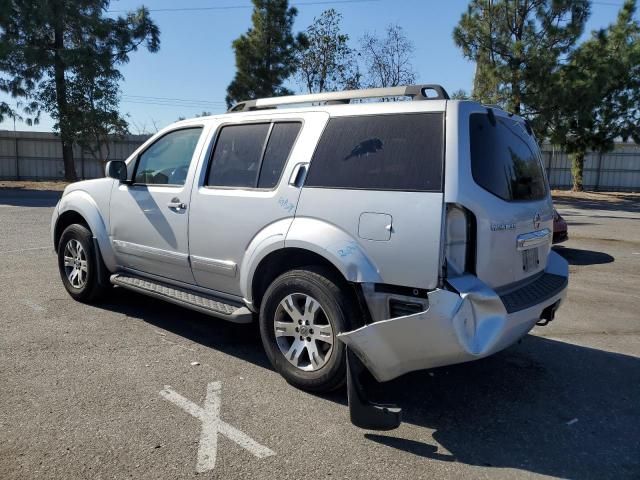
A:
[117, 169]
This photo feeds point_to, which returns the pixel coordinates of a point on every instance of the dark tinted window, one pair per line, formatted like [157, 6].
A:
[381, 152]
[505, 159]
[240, 158]
[281, 140]
[237, 155]
[166, 161]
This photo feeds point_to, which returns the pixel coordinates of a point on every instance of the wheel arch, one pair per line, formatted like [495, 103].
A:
[65, 219]
[301, 242]
[280, 261]
[79, 207]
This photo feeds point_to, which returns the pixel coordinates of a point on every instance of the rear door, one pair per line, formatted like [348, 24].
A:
[501, 180]
[378, 177]
[246, 184]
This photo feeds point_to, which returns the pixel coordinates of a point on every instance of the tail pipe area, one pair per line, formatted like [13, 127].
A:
[548, 314]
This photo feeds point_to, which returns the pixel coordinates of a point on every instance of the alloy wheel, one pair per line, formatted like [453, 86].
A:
[75, 263]
[303, 332]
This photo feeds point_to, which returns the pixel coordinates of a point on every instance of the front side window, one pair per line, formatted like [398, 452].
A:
[380, 152]
[251, 155]
[167, 161]
[505, 159]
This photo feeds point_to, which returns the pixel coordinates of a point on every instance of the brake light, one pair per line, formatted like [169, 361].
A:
[459, 240]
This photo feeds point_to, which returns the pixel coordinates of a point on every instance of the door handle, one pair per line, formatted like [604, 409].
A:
[176, 204]
[298, 174]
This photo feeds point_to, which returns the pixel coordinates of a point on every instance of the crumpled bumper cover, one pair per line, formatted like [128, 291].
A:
[457, 327]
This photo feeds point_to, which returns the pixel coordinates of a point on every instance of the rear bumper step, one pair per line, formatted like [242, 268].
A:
[185, 298]
[543, 288]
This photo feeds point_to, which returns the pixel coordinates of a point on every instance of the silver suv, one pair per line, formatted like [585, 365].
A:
[416, 232]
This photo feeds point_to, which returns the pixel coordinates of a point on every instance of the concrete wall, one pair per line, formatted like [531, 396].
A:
[38, 156]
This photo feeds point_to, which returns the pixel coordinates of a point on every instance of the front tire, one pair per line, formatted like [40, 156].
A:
[301, 313]
[78, 264]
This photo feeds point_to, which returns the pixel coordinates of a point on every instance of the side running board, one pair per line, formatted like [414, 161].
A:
[186, 298]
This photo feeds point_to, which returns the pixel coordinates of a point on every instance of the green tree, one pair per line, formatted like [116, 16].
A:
[63, 57]
[204, 113]
[517, 45]
[6, 111]
[460, 94]
[92, 108]
[326, 63]
[485, 84]
[598, 99]
[387, 59]
[265, 55]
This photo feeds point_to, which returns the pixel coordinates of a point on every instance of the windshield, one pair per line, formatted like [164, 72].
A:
[505, 159]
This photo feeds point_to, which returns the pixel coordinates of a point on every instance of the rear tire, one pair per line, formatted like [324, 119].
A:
[301, 313]
[78, 262]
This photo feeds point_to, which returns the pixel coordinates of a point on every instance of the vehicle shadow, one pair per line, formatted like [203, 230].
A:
[542, 406]
[239, 340]
[154, 214]
[576, 256]
[571, 214]
[19, 197]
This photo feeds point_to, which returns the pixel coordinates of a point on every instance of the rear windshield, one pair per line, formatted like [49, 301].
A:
[505, 159]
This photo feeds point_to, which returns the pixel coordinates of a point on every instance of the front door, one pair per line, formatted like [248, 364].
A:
[149, 216]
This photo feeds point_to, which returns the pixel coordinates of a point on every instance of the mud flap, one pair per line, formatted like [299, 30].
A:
[364, 413]
[100, 267]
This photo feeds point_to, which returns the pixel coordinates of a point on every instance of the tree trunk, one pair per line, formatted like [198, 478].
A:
[516, 96]
[61, 99]
[69, 165]
[577, 167]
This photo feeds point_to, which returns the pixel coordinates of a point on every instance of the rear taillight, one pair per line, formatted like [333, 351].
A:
[460, 242]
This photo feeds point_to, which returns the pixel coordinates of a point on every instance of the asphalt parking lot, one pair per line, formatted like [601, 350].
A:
[94, 391]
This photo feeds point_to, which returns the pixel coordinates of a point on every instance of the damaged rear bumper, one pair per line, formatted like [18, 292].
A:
[469, 323]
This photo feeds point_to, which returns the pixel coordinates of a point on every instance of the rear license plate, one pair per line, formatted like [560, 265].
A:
[530, 259]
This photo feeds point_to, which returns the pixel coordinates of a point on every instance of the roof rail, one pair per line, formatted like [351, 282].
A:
[416, 92]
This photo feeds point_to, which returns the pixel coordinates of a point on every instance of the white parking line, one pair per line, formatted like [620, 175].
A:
[209, 415]
[25, 249]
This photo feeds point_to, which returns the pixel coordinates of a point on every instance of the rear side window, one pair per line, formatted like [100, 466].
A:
[251, 155]
[281, 140]
[505, 159]
[380, 152]
[237, 155]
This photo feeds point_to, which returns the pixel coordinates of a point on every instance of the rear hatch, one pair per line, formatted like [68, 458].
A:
[500, 184]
